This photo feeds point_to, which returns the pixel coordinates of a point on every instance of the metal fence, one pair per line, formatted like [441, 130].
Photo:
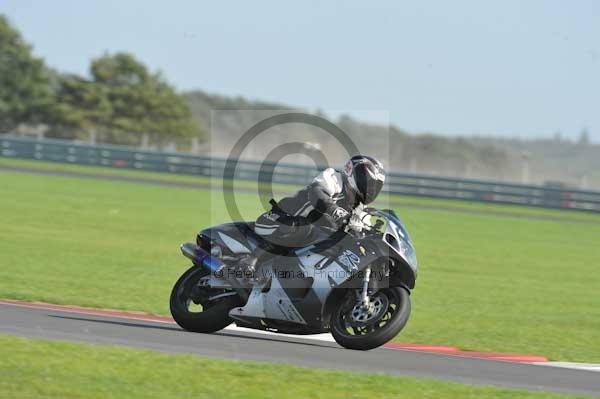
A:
[548, 196]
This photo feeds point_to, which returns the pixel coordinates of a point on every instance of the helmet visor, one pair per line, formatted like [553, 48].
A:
[369, 184]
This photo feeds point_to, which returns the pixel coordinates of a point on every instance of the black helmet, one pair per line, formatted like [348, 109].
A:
[365, 175]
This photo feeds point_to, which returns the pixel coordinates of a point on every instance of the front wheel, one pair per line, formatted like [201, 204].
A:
[354, 326]
[199, 308]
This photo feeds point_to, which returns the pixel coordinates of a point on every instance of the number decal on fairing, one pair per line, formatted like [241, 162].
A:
[397, 230]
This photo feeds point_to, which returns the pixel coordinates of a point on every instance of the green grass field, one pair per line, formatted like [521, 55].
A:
[42, 369]
[487, 282]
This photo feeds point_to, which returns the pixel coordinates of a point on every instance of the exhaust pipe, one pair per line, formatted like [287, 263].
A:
[201, 257]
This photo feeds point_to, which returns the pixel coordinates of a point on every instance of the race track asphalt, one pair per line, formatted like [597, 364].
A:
[94, 329]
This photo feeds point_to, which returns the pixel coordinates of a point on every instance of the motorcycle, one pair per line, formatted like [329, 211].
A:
[354, 284]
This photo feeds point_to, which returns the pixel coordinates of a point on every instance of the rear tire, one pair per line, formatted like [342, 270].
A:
[214, 315]
[371, 334]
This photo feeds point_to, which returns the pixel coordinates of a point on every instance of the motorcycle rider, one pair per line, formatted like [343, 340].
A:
[328, 202]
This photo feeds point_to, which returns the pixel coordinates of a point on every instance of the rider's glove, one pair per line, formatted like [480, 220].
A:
[355, 223]
[359, 220]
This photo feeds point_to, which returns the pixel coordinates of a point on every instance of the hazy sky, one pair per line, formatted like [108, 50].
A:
[513, 68]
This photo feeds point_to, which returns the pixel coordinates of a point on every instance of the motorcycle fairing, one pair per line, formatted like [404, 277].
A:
[288, 299]
[328, 264]
[237, 237]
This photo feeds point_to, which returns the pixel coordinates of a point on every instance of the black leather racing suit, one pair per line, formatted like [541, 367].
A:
[327, 203]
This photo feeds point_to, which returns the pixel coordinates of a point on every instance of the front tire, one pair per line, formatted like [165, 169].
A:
[191, 308]
[354, 328]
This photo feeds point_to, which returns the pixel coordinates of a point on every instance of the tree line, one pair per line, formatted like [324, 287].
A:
[121, 101]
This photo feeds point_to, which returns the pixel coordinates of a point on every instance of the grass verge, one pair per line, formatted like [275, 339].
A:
[486, 282]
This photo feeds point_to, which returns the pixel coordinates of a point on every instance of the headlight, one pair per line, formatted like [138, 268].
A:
[409, 254]
[404, 249]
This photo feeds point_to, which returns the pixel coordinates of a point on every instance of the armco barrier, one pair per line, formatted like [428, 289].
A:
[398, 183]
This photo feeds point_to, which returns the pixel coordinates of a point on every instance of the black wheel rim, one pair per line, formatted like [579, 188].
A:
[352, 322]
[193, 298]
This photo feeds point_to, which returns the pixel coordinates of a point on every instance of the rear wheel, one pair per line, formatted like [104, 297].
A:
[200, 308]
[357, 327]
